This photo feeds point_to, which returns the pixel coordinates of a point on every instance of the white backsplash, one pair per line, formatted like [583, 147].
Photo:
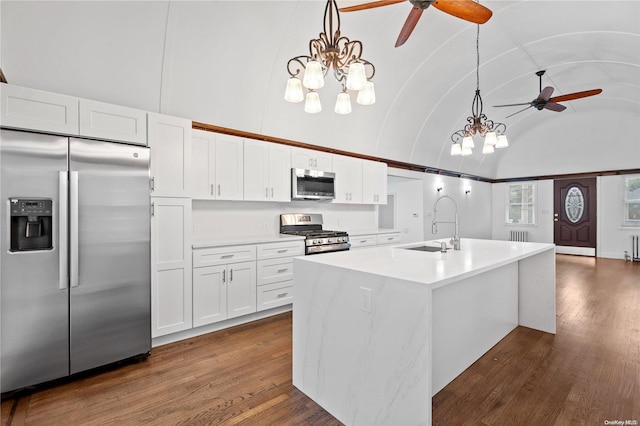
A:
[223, 219]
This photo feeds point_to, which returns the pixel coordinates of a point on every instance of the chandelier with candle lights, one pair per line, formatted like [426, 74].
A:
[331, 51]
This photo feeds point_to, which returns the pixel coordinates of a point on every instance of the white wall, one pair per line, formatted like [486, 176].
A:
[224, 219]
[408, 207]
[474, 208]
[542, 231]
[612, 238]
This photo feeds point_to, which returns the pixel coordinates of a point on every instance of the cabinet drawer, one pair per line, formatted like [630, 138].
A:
[362, 241]
[388, 238]
[275, 270]
[272, 295]
[284, 249]
[223, 255]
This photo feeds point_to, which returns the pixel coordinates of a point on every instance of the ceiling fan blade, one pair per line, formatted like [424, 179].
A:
[370, 5]
[468, 10]
[576, 95]
[554, 107]
[510, 105]
[409, 25]
[545, 94]
[518, 112]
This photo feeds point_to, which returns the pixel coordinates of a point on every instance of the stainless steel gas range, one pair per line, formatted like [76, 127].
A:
[317, 240]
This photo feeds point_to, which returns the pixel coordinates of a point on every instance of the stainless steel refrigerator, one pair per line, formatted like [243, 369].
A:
[75, 256]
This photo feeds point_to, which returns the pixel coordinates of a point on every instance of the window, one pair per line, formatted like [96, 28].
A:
[632, 201]
[521, 205]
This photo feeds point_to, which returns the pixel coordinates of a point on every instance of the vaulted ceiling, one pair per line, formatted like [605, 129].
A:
[224, 63]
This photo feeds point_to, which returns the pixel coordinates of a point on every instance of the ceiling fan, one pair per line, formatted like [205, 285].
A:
[468, 10]
[545, 101]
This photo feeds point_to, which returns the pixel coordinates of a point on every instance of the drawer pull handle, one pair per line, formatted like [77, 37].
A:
[282, 270]
[390, 238]
[227, 256]
[363, 241]
[281, 295]
[283, 251]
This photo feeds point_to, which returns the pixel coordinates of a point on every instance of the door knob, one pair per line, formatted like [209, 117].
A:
[555, 219]
[555, 214]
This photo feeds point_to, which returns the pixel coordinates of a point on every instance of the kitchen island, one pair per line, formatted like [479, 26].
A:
[377, 332]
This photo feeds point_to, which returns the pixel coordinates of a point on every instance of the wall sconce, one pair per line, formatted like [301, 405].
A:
[467, 191]
[439, 189]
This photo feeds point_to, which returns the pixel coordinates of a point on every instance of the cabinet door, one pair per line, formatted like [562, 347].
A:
[203, 145]
[170, 143]
[309, 159]
[241, 289]
[112, 122]
[348, 182]
[374, 182]
[279, 172]
[229, 168]
[26, 108]
[209, 295]
[171, 287]
[256, 170]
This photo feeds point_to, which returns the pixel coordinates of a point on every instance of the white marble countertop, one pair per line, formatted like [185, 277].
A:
[433, 268]
[208, 242]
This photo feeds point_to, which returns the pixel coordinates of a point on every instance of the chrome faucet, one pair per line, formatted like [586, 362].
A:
[455, 240]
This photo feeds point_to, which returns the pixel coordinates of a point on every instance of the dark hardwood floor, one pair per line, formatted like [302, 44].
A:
[586, 374]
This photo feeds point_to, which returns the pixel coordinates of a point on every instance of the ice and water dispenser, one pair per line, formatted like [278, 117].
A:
[31, 224]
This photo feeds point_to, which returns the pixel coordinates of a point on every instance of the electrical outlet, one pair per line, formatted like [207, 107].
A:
[365, 299]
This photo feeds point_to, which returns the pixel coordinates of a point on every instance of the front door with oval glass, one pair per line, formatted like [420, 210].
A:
[575, 216]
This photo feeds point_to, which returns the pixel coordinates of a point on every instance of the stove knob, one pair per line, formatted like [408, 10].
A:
[314, 242]
[329, 240]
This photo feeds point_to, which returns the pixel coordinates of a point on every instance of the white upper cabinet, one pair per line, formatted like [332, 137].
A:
[374, 182]
[112, 122]
[229, 168]
[203, 175]
[170, 143]
[348, 181]
[26, 108]
[217, 166]
[309, 159]
[267, 175]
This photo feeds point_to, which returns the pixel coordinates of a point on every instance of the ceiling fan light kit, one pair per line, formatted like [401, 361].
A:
[331, 51]
[478, 123]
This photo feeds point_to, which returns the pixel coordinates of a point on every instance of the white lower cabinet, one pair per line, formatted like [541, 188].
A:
[224, 283]
[171, 266]
[362, 241]
[392, 238]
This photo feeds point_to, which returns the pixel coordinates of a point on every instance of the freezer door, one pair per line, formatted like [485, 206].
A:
[110, 262]
[33, 295]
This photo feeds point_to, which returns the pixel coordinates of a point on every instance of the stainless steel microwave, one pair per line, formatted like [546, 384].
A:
[312, 185]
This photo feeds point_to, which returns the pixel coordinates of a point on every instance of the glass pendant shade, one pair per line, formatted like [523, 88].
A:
[343, 103]
[487, 148]
[313, 78]
[294, 90]
[502, 142]
[466, 151]
[490, 138]
[467, 142]
[367, 95]
[356, 77]
[456, 149]
[312, 103]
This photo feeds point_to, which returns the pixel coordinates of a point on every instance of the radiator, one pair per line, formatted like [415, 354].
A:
[635, 248]
[519, 236]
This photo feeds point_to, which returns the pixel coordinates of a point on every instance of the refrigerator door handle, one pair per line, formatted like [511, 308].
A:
[63, 255]
[73, 231]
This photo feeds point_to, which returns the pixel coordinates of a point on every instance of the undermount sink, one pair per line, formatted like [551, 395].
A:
[423, 248]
